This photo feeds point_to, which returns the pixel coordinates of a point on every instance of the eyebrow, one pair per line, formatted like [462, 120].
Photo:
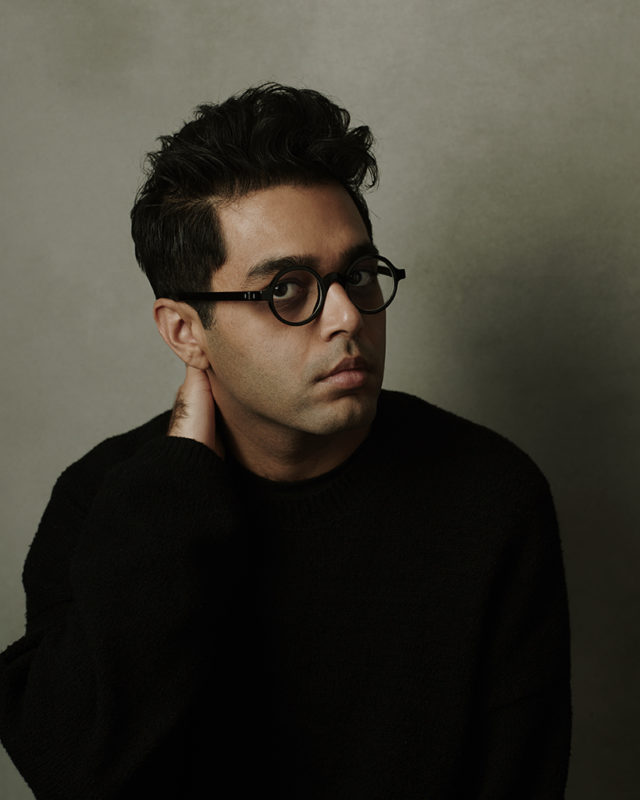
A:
[270, 266]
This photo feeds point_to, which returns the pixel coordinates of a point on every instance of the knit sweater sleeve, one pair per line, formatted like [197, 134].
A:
[121, 588]
[524, 732]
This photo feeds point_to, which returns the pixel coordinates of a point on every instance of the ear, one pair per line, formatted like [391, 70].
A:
[180, 327]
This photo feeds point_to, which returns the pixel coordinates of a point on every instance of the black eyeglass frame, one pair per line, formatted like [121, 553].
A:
[324, 282]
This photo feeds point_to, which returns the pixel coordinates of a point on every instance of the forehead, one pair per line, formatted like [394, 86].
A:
[319, 221]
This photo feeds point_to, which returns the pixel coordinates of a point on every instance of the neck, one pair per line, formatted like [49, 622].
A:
[296, 457]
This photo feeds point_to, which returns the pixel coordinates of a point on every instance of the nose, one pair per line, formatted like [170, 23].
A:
[339, 315]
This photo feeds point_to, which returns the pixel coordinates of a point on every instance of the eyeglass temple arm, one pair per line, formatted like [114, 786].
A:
[187, 296]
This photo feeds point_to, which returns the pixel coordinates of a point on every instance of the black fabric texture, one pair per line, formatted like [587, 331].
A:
[397, 628]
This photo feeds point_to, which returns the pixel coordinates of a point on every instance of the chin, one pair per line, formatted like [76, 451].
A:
[346, 414]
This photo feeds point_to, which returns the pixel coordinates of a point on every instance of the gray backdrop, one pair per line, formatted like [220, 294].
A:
[508, 140]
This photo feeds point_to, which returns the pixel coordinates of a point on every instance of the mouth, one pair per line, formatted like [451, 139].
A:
[350, 373]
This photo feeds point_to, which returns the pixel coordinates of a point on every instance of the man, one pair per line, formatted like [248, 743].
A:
[296, 584]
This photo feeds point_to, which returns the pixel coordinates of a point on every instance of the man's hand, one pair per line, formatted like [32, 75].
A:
[194, 412]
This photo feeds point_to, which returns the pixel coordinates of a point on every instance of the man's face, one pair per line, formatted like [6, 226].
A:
[270, 379]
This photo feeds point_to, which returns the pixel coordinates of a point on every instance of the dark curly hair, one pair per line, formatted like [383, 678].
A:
[268, 135]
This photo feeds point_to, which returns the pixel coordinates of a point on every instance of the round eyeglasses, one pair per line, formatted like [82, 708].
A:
[296, 295]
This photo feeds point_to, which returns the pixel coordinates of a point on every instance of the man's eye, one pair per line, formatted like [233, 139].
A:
[286, 290]
[362, 277]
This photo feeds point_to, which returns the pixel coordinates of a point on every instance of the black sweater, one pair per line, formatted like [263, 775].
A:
[396, 628]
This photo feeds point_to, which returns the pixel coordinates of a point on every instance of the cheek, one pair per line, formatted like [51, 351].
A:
[255, 361]
[376, 329]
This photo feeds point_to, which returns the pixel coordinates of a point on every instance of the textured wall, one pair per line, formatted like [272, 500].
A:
[508, 139]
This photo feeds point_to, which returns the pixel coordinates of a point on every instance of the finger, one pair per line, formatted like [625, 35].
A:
[196, 390]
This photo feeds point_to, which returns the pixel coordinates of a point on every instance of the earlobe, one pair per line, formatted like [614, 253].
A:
[180, 327]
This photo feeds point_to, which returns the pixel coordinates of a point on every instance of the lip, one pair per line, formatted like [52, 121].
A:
[349, 370]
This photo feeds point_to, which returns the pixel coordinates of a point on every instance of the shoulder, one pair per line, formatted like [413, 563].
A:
[46, 570]
[417, 423]
[83, 478]
[456, 453]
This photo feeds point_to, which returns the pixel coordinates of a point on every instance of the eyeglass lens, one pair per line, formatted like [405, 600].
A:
[369, 285]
